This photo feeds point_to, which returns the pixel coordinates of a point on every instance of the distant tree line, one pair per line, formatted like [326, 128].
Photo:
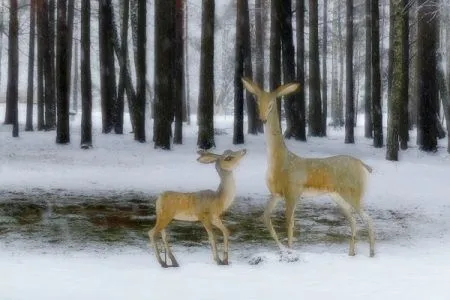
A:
[342, 66]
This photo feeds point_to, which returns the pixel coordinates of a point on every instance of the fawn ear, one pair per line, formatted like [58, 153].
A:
[251, 86]
[207, 157]
[286, 89]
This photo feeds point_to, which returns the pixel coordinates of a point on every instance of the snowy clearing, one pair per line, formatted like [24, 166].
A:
[414, 263]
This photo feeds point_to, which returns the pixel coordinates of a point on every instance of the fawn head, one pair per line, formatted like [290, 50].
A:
[226, 161]
[267, 100]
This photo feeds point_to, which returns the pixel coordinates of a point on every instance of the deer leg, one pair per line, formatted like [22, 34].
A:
[168, 251]
[268, 222]
[218, 223]
[290, 210]
[152, 233]
[368, 220]
[347, 211]
[160, 225]
[212, 240]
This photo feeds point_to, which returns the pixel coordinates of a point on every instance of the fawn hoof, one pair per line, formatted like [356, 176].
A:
[372, 253]
[175, 265]
[222, 262]
[164, 265]
[351, 253]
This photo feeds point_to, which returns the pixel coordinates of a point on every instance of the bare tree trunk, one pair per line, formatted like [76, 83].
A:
[238, 126]
[368, 126]
[49, 71]
[376, 78]
[350, 101]
[12, 93]
[427, 44]
[259, 47]
[179, 71]
[41, 46]
[206, 97]
[300, 26]
[86, 81]
[186, 67]
[404, 115]
[315, 104]
[139, 132]
[275, 53]
[324, 70]
[30, 88]
[62, 66]
[75, 79]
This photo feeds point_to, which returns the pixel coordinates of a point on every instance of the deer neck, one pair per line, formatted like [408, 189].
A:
[276, 148]
[227, 188]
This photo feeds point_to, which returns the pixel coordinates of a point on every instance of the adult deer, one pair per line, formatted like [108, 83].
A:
[289, 176]
[205, 206]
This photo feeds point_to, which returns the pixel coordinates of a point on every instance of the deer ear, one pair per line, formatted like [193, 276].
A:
[286, 89]
[251, 86]
[207, 157]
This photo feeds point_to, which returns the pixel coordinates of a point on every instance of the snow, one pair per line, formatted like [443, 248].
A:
[414, 263]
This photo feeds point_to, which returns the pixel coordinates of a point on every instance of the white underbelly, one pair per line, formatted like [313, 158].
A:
[313, 193]
[185, 217]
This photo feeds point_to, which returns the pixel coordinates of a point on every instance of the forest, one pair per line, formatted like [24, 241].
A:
[384, 61]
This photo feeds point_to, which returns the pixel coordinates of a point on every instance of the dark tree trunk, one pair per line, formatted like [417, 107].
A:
[300, 27]
[340, 106]
[75, 80]
[291, 103]
[118, 126]
[86, 81]
[124, 64]
[139, 132]
[63, 79]
[445, 96]
[334, 70]
[376, 78]
[275, 50]
[134, 30]
[427, 44]
[315, 103]
[324, 71]
[238, 126]
[397, 80]
[404, 114]
[206, 96]
[368, 125]
[163, 105]
[49, 71]
[259, 47]
[30, 87]
[41, 46]
[107, 69]
[252, 113]
[178, 87]
[12, 96]
[349, 100]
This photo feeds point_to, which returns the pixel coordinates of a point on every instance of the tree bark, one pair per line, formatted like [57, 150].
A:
[49, 71]
[178, 88]
[324, 71]
[206, 96]
[427, 44]
[30, 87]
[86, 81]
[300, 28]
[349, 101]
[163, 80]
[238, 126]
[368, 126]
[404, 114]
[376, 78]
[139, 132]
[259, 50]
[315, 103]
[291, 103]
[63, 79]
[12, 93]
[275, 50]
[41, 46]
[76, 76]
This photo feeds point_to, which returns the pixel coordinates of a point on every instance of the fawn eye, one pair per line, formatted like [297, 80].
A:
[228, 158]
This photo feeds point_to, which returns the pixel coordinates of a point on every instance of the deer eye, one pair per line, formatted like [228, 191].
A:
[228, 158]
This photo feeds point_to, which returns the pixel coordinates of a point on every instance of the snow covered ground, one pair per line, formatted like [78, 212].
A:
[413, 265]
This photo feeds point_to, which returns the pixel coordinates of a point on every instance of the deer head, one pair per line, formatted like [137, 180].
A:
[266, 100]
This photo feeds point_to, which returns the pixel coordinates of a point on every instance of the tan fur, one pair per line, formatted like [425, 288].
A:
[289, 176]
[205, 206]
